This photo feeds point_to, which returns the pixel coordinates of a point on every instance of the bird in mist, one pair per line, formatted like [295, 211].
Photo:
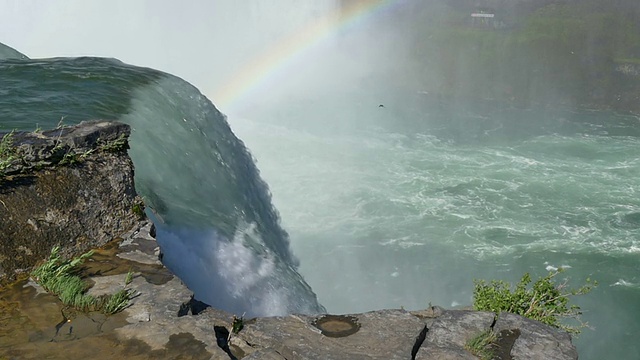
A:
[380, 106]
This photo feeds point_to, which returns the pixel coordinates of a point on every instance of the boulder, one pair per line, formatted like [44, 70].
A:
[71, 187]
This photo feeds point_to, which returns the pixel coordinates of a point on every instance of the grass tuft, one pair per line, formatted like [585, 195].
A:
[7, 152]
[482, 345]
[117, 302]
[59, 277]
[117, 145]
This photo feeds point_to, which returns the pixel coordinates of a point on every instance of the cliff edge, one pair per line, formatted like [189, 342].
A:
[71, 186]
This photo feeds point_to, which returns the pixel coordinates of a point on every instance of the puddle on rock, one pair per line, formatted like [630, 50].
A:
[29, 317]
[337, 325]
[38, 326]
[105, 262]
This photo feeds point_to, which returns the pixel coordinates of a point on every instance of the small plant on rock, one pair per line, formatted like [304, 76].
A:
[138, 210]
[237, 324]
[7, 152]
[483, 345]
[544, 301]
[117, 145]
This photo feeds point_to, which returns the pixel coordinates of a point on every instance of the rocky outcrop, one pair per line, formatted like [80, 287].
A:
[72, 186]
[163, 319]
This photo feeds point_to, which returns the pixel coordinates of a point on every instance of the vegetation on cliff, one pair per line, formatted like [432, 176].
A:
[60, 154]
[544, 301]
[7, 152]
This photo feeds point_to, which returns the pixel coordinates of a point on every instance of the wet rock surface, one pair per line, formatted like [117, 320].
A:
[535, 340]
[165, 321]
[37, 324]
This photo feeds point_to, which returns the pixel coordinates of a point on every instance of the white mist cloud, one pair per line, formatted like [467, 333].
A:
[179, 38]
[204, 42]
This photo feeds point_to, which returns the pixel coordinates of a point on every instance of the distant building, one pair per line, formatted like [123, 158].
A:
[486, 18]
[483, 15]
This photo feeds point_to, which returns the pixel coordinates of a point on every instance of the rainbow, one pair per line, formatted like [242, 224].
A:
[265, 69]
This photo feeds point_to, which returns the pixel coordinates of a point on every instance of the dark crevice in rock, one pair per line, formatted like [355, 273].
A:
[193, 307]
[16, 182]
[152, 231]
[506, 338]
[493, 323]
[281, 354]
[222, 339]
[419, 340]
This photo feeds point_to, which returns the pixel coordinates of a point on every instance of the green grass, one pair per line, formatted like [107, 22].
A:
[60, 278]
[117, 145]
[482, 345]
[116, 302]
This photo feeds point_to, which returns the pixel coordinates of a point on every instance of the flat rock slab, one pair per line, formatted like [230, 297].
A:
[448, 335]
[528, 339]
[70, 187]
[267, 354]
[154, 315]
[384, 335]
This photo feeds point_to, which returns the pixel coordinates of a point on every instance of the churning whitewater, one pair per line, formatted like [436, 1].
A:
[215, 221]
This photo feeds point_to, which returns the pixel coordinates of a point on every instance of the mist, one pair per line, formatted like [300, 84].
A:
[406, 48]
[204, 42]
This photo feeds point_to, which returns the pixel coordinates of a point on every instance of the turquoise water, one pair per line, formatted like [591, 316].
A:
[394, 215]
[384, 207]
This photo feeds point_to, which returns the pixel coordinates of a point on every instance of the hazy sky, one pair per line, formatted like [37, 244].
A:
[201, 41]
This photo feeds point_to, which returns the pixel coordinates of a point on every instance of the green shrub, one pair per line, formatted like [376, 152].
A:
[544, 301]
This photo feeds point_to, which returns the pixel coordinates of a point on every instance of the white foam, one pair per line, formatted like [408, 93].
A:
[622, 282]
